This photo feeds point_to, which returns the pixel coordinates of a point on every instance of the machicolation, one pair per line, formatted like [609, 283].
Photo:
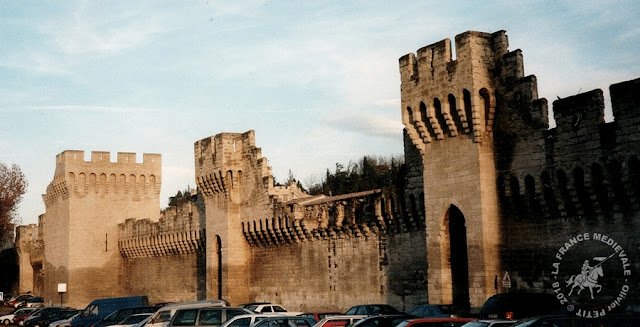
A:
[487, 190]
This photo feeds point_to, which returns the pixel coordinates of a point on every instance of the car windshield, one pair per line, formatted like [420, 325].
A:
[477, 324]
[278, 309]
[240, 322]
[134, 319]
[161, 317]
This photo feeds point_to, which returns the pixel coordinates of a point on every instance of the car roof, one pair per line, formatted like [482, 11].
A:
[195, 304]
[417, 320]
[336, 317]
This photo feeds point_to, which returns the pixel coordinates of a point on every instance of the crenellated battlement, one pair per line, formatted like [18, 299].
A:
[180, 230]
[358, 214]
[221, 160]
[73, 161]
[74, 175]
[442, 97]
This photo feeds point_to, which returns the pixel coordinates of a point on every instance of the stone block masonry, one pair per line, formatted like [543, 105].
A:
[84, 204]
[486, 188]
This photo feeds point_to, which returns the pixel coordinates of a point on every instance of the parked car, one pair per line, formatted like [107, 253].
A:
[18, 319]
[382, 320]
[64, 322]
[433, 311]
[519, 305]
[373, 309]
[338, 320]
[121, 314]
[244, 305]
[163, 316]
[270, 308]
[285, 321]
[41, 315]
[435, 322]
[34, 302]
[317, 316]
[133, 320]
[6, 297]
[207, 316]
[245, 320]
[47, 317]
[490, 323]
[17, 301]
[100, 308]
[575, 321]
[8, 318]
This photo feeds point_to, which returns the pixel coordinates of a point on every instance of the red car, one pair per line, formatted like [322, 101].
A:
[17, 320]
[435, 322]
[18, 300]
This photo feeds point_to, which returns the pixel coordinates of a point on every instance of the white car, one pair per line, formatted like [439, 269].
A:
[270, 308]
[8, 319]
[246, 320]
[163, 316]
[338, 320]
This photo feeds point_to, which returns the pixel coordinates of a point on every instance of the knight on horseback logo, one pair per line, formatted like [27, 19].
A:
[591, 275]
[588, 277]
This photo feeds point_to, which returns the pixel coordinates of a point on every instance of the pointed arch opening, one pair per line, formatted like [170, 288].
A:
[219, 254]
[458, 257]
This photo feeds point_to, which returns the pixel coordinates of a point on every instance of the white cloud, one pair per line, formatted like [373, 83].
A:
[364, 122]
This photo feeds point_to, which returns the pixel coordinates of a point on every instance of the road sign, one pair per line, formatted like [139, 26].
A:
[506, 280]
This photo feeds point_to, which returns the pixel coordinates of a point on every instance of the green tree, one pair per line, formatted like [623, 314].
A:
[13, 185]
[173, 200]
[366, 174]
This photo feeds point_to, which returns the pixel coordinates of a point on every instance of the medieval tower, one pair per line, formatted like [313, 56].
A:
[235, 181]
[84, 204]
[448, 109]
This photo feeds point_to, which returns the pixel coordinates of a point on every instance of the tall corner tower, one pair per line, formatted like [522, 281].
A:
[235, 180]
[84, 203]
[448, 109]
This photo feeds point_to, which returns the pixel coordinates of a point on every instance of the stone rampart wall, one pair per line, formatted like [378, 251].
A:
[338, 270]
[170, 278]
[586, 180]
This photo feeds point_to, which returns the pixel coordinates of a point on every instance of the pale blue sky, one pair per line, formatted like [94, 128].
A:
[317, 80]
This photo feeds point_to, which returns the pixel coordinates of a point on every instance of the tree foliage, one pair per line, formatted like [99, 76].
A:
[366, 174]
[173, 200]
[13, 185]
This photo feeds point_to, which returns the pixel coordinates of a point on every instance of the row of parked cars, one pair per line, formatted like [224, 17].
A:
[135, 312]
[23, 300]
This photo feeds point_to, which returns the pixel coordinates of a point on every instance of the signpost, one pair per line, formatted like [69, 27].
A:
[62, 288]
